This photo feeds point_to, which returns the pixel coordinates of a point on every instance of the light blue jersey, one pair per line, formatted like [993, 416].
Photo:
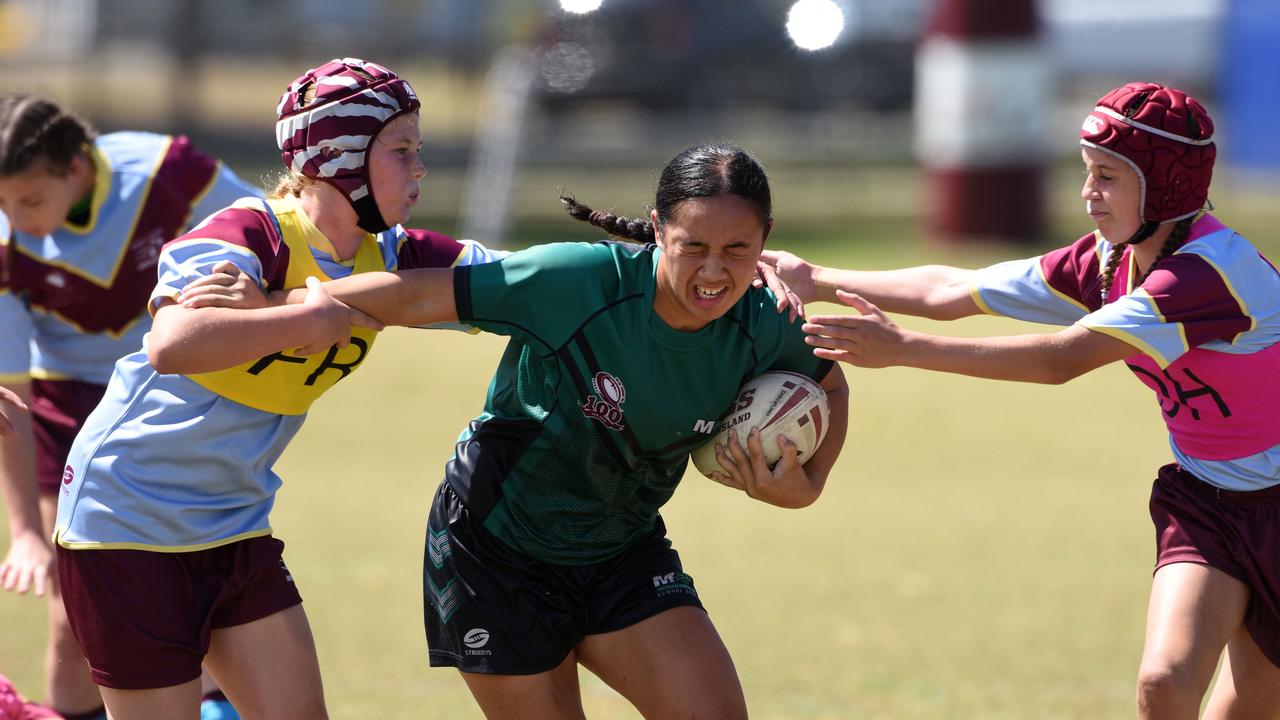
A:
[166, 463]
[73, 302]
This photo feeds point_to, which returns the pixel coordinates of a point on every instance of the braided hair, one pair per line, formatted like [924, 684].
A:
[32, 128]
[1179, 233]
[702, 171]
[635, 229]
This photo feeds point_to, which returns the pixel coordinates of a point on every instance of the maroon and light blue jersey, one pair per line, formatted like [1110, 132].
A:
[73, 302]
[1207, 322]
[174, 463]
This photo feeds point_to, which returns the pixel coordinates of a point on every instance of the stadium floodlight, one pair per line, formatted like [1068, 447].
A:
[815, 24]
[580, 7]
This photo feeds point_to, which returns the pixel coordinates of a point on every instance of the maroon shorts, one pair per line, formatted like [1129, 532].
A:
[1235, 532]
[144, 618]
[58, 410]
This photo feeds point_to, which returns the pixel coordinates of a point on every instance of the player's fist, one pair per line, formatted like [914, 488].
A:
[330, 320]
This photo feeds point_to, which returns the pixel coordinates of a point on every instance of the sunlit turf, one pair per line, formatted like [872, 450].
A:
[982, 549]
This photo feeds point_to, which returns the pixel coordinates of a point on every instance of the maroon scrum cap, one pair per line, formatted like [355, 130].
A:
[1166, 136]
[326, 136]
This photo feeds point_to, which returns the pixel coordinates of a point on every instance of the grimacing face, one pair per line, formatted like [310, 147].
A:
[396, 169]
[37, 199]
[709, 252]
[1112, 195]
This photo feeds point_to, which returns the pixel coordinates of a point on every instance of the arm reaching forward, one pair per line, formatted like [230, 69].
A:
[940, 292]
[870, 339]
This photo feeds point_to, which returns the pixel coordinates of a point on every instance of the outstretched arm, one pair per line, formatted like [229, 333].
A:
[406, 297]
[185, 339]
[940, 292]
[872, 340]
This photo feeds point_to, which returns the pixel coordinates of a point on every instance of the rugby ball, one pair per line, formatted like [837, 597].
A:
[779, 403]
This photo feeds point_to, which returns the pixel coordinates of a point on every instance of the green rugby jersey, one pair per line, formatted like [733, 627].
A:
[596, 403]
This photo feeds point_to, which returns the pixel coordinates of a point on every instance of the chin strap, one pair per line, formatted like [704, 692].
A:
[368, 216]
[1145, 230]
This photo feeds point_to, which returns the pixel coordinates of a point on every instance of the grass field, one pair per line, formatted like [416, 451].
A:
[982, 549]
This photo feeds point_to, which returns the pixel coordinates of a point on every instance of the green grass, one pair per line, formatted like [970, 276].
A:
[982, 550]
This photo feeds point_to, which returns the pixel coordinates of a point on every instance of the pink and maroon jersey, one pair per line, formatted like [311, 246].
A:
[73, 302]
[1206, 323]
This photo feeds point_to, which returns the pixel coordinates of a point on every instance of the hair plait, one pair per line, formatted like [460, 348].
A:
[1109, 270]
[1171, 243]
[702, 171]
[621, 227]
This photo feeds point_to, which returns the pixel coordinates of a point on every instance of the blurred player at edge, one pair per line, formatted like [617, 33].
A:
[12, 400]
[1193, 309]
[162, 529]
[83, 218]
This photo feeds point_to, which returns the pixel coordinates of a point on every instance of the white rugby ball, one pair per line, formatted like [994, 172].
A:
[779, 403]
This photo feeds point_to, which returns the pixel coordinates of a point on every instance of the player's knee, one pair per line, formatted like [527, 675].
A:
[725, 705]
[1163, 687]
[731, 709]
[297, 709]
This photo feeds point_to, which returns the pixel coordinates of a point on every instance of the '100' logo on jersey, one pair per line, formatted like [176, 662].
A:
[605, 405]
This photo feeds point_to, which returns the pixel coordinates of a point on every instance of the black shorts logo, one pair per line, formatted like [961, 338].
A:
[475, 640]
[672, 583]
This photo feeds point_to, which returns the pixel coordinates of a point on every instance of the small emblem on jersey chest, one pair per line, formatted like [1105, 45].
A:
[605, 406]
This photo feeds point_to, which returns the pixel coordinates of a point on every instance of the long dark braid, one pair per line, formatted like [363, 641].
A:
[1109, 271]
[621, 227]
[702, 171]
[1171, 243]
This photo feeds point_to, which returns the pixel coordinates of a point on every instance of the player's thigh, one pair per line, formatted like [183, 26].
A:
[673, 664]
[176, 702]
[1248, 686]
[268, 667]
[553, 695]
[1193, 611]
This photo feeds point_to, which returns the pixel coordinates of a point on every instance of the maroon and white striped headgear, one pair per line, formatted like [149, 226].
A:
[1166, 136]
[328, 138]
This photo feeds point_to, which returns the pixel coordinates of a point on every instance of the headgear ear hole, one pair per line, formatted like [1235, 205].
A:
[1138, 101]
[1193, 127]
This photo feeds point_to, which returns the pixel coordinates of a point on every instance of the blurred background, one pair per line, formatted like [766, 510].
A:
[982, 549]
[861, 109]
